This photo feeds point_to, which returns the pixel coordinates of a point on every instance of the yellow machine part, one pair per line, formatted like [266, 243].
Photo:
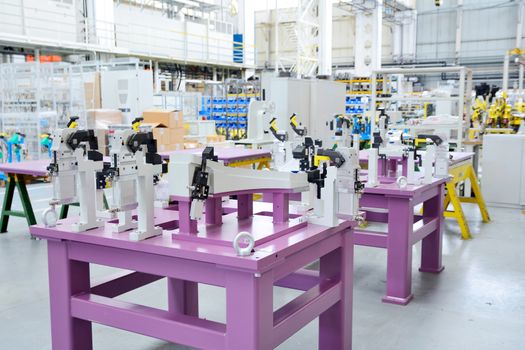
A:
[273, 125]
[319, 159]
[136, 126]
[293, 120]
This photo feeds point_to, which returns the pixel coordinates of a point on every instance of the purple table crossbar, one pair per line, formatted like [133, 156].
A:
[251, 322]
[396, 207]
[226, 154]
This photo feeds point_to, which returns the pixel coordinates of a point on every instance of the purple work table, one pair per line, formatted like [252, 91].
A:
[455, 157]
[389, 204]
[27, 167]
[206, 257]
[227, 154]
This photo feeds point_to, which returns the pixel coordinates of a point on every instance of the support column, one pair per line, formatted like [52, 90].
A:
[156, 77]
[280, 207]
[519, 29]
[519, 33]
[246, 25]
[183, 297]
[463, 94]
[325, 38]
[520, 79]
[368, 57]
[505, 85]
[276, 43]
[459, 30]
[186, 224]
[377, 45]
[244, 206]
[213, 211]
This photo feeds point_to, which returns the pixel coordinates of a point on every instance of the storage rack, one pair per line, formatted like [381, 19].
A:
[187, 102]
[357, 103]
[38, 97]
[462, 100]
[227, 104]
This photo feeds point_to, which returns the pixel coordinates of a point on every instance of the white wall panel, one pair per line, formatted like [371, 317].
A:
[51, 19]
[39, 18]
[147, 32]
[11, 16]
[488, 30]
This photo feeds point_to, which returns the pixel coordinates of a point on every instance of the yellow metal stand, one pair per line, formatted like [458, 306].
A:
[263, 162]
[463, 172]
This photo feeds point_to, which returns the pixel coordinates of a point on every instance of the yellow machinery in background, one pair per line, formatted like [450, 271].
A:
[479, 112]
[507, 112]
[500, 118]
[499, 113]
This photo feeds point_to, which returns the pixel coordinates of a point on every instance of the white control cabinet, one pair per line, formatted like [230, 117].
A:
[503, 164]
[130, 91]
[314, 101]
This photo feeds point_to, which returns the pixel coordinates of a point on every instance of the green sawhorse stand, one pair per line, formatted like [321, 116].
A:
[17, 181]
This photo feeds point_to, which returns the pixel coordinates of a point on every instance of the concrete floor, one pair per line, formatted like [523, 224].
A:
[478, 302]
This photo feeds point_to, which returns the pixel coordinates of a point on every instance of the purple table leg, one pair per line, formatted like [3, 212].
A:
[404, 166]
[399, 251]
[392, 168]
[183, 297]
[66, 278]
[249, 310]
[213, 211]
[281, 207]
[431, 244]
[186, 225]
[335, 324]
[381, 166]
[244, 206]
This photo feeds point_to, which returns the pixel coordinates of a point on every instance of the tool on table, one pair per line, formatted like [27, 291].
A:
[75, 163]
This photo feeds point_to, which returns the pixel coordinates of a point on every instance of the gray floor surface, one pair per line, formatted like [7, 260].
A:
[477, 302]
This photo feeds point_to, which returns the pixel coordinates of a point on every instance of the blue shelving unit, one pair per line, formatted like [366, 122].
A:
[229, 113]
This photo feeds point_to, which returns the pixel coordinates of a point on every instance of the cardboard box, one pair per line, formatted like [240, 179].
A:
[164, 148]
[92, 96]
[177, 135]
[102, 138]
[102, 118]
[192, 145]
[169, 118]
[160, 133]
[177, 146]
[171, 147]
[215, 138]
